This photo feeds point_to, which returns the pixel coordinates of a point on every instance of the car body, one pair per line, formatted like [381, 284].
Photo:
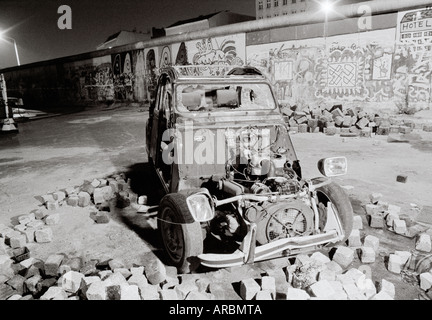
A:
[235, 192]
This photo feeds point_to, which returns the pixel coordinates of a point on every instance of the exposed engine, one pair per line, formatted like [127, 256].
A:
[258, 169]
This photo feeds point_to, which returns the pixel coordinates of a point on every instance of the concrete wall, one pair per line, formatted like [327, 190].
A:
[388, 66]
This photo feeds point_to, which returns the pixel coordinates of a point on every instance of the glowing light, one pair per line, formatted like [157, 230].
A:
[327, 6]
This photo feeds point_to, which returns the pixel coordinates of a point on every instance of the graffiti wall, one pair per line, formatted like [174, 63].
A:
[413, 57]
[340, 68]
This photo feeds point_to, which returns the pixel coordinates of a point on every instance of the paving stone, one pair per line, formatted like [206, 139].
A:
[404, 255]
[45, 284]
[116, 278]
[101, 217]
[85, 284]
[124, 271]
[138, 279]
[113, 292]
[47, 198]
[6, 291]
[115, 263]
[249, 288]
[52, 205]
[31, 283]
[52, 219]
[269, 284]
[184, 288]
[73, 200]
[302, 259]
[297, 294]
[59, 195]
[354, 239]
[426, 281]
[353, 292]
[371, 241]
[327, 274]
[320, 258]
[223, 291]
[334, 266]
[137, 270]
[97, 291]
[84, 199]
[18, 241]
[399, 226]
[376, 221]
[375, 197]
[130, 292]
[43, 235]
[155, 271]
[149, 292]
[37, 224]
[15, 297]
[367, 255]
[71, 281]
[344, 256]
[168, 294]
[390, 218]
[17, 283]
[423, 243]
[199, 295]
[387, 287]
[394, 263]
[321, 289]
[52, 264]
[357, 222]
[382, 296]
[367, 287]
[89, 268]
[264, 295]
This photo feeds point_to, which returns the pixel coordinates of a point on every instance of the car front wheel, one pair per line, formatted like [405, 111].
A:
[182, 241]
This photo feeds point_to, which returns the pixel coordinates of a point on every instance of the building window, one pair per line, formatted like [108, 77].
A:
[294, 1]
[285, 2]
[276, 3]
[294, 11]
[285, 13]
[269, 16]
[276, 15]
[260, 5]
[268, 4]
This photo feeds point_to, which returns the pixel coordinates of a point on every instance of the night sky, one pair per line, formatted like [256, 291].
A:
[33, 24]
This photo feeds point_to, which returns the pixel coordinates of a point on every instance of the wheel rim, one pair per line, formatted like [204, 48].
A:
[172, 235]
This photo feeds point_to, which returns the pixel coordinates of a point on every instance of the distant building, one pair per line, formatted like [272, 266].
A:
[123, 37]
[205, 22]
[273, 8]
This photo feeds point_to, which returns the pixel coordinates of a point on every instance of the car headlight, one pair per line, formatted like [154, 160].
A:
[200, 208]
[333, 167]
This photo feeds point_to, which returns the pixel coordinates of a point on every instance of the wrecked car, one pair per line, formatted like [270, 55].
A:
[235, 190]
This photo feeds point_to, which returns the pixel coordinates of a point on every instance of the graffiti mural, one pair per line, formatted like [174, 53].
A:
[165, 59]
[123, 76]
[414, 54]
[291, 68]
[217, 51]
[342, 75]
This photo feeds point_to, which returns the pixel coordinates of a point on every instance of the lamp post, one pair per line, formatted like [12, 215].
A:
[15, 46]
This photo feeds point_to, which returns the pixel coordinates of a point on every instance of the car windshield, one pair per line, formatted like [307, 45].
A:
[220, 97]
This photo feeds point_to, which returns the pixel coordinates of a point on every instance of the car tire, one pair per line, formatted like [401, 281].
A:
[333, 193]
[182, 241]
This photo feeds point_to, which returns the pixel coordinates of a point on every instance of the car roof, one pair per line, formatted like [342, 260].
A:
[212, 73]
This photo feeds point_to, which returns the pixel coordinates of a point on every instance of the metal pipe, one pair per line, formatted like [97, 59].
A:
[342, 12]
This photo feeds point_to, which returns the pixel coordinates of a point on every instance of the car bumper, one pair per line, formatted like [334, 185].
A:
[279, 248]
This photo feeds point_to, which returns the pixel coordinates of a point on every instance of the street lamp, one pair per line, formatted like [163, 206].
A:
[15, 46]
[326, 6]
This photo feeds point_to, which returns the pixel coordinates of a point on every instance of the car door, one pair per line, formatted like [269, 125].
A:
[161, 115]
